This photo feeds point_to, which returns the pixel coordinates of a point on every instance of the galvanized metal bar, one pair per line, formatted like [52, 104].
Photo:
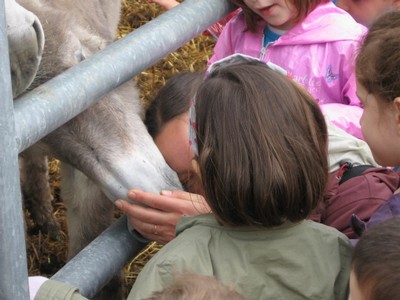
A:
[13, 262]
[96, 264]
[60, 99]
[92, 268]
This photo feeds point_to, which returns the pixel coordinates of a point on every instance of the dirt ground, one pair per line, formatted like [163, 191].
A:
[45, 257]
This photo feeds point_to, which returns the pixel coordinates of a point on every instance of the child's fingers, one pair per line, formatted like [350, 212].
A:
[177, 201]
[153, 224]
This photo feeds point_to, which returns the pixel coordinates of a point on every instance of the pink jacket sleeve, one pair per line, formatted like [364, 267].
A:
[349, 88]
[223, 47]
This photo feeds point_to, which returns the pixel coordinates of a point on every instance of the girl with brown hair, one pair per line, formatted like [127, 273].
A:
[376, 260]
[262, 159]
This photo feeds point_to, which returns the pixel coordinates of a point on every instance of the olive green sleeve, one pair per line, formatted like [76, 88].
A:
[56, 290]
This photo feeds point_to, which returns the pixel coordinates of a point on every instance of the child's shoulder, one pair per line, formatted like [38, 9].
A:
[237, 19]
[327, 238]
[324, 230]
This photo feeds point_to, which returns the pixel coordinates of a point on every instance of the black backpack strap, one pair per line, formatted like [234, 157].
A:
[350, 170]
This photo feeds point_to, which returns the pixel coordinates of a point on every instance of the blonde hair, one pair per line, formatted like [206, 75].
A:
[191, 286]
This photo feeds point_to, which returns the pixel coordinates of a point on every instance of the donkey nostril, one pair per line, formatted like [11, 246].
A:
[79, 55]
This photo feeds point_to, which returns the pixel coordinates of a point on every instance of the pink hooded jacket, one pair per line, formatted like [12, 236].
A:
[319, 53]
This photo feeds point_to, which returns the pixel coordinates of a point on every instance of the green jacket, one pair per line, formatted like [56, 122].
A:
[305, 260]
[52, 289]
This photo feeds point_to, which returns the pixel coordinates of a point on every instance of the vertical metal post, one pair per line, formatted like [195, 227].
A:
[13, 263]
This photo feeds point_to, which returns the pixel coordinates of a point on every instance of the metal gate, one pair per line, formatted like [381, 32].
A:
[142, 48]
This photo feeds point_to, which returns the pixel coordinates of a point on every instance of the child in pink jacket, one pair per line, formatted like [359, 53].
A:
[313, 40]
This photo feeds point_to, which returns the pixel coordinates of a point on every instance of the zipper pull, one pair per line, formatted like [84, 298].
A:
[262, 54]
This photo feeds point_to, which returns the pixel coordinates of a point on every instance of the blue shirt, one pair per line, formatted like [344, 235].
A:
[269, 36]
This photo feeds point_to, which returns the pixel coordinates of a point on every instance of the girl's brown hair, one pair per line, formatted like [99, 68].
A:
[378, 62]
[304, 7]
[262, 146]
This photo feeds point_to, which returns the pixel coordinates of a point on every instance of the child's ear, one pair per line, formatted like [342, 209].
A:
[396, 106]
[196, 167]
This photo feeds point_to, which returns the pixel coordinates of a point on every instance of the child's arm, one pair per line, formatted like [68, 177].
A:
[41, 288]
[347, 112]
[166, 4]
[223, 47]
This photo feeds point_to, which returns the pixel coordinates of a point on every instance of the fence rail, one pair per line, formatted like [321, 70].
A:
[52, 104]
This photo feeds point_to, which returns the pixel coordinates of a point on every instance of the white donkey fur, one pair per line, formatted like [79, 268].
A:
[105, 147]
[25, 42]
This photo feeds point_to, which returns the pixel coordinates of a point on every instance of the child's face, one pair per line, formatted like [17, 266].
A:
[277, 13]
[380, 125]
[366, 11]
[355, 292]
[173, 143]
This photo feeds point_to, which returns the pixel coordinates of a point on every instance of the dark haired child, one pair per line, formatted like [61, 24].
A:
[378, 87]
[375, 261]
